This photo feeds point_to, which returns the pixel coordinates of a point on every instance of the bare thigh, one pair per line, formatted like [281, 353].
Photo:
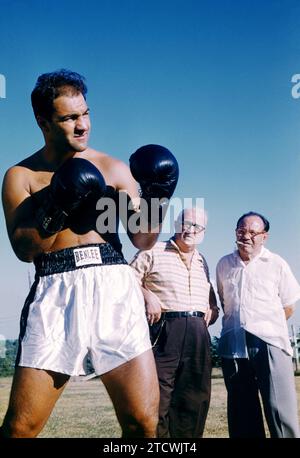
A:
[33, 395]
[133, 388]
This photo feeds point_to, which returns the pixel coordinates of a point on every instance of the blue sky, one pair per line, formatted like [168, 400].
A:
[209, 80]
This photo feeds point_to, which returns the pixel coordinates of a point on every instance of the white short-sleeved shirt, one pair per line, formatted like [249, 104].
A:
[254, 296]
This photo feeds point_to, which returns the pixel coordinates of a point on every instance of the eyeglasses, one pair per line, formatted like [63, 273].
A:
[187, 226]
[243, 232]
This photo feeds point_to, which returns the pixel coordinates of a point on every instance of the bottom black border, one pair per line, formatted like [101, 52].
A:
[146, 447]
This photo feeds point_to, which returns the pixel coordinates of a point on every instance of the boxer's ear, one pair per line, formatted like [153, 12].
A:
[42, 123]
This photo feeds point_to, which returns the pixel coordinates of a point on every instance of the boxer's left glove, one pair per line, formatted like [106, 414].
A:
[75, 183]
[156, 170]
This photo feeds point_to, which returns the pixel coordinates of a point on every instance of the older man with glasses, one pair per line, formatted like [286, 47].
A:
[257, 291]
[180, 304]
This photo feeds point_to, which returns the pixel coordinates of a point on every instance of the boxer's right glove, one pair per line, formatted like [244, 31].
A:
[75, 183]
[156, 170]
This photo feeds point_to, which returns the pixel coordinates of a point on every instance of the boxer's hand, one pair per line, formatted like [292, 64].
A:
[74, 183]
[156, 170]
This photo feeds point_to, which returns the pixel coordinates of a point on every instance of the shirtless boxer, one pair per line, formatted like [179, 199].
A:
[85, 299]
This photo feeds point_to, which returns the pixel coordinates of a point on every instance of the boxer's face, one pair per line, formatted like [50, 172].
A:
[68, 130]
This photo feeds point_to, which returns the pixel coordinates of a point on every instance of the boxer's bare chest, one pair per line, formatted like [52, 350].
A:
[38, 182]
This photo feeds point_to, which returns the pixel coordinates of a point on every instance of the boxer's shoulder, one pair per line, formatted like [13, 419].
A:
[28, 174]
[17, 176]
[100, 159]
[115, 171]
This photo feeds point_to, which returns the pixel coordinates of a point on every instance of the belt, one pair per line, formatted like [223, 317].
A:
[166, 315]
[77, 257]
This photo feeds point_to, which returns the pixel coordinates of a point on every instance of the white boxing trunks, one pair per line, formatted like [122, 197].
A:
[84, 301]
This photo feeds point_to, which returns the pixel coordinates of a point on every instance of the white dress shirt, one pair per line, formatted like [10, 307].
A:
[254, 296]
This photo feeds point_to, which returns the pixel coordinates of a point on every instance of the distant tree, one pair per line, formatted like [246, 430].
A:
[89, 365]
[216, 360]
[8, 357]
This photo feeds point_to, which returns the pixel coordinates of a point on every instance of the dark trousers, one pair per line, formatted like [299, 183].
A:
[267, 371]
[244, 413]
[183, 361]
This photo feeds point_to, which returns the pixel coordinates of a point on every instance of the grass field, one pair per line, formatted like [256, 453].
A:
[85, 410]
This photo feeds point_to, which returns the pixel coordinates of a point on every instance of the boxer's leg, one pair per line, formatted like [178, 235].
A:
[133, 388]
[33, 395]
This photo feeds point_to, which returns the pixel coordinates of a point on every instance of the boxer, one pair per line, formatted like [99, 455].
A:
[85, 299]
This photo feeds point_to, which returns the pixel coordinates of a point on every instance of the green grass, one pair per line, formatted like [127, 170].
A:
[85, 410]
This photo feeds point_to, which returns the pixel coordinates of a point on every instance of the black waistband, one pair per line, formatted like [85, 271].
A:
[77, 258]
[167, 315]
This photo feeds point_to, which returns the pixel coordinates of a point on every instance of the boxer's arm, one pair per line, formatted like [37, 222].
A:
[145, 238]
[19, 211]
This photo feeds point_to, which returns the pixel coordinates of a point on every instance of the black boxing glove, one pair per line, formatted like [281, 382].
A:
[156, 170]
[75, 183]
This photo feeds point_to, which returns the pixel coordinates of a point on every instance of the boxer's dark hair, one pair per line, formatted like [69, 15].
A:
[49, 86]
[264, 220]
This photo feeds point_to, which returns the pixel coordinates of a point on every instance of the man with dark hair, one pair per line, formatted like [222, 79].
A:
[85, 298]
[50, 85]
[264, 220]
[257, 291]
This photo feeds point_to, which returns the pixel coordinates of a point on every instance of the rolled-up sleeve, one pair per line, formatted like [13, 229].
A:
[219, 281]
[289, 288]
[142, 265]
